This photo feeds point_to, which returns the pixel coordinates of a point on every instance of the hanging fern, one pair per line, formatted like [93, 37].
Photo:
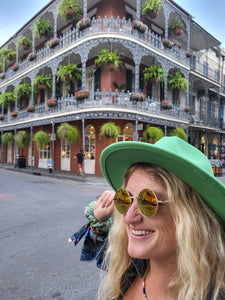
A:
[179, 132]
[42, 139]
[110, 130]
[22, 138]
[7, 138]
[68, 133]
[152, 134]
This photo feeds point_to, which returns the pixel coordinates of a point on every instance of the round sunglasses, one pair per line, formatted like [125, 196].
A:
[147, 202]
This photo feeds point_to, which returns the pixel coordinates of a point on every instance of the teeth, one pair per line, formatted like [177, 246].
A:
[141, 232]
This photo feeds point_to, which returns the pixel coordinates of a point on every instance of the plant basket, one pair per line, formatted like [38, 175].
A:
[81, 95]
[139, 26]
[188, 54]
[1, 117]
[168, 43]
[2, 75]
[42, 86]
[53, 42]
[15, 67]
[166, 105]
[153, 14]
[14, 113]
[178, 31]
[25, 47]
[138, 97]
[30, 108]
[69, 12]
[83, 23]
[110, 67]
[52, 102]
[31, 56]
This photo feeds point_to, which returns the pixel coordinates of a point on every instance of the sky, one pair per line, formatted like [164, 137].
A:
[209, 15]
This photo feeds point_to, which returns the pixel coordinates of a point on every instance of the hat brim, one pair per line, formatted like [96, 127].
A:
[119, 157]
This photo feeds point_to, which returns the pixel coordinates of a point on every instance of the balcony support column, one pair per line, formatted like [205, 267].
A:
[31, 138]
[17, 54]
[138, 9]
[53, 85]
[32, 91]
[85, 9]
[33, 40]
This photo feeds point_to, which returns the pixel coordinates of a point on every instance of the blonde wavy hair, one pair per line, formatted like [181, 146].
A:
[200, 244]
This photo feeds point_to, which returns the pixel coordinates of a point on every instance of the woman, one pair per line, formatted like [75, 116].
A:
[167, 239]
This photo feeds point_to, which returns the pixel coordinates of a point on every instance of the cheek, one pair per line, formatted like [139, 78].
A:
[167, 231]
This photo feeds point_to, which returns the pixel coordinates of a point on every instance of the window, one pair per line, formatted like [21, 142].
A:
[44, 153]
[205, 68]
[217, 75]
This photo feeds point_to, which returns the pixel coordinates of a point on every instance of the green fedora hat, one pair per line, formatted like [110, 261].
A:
[172, 154]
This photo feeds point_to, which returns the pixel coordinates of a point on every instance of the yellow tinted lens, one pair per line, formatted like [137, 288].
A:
[147, 203]
[122, 201]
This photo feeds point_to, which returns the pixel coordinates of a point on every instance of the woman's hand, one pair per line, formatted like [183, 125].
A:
[104, 206]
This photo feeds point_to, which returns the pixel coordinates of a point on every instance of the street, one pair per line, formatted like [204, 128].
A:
[37, 215]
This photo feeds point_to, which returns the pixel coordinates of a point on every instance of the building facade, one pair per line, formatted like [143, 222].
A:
[122, 95]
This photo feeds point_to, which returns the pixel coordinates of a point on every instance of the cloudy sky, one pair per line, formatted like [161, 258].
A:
[209, 15]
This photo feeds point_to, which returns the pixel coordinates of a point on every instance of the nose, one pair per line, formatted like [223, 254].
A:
[133, 214]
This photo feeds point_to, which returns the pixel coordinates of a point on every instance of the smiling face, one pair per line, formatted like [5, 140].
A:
[149, 238]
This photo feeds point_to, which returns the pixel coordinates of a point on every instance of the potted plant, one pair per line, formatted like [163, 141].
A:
[109, 60]
[110, 130]
[30, 108]
[179, 132]
[120, 87]
[154, 74]
[23, 90]
[15, 67]
[7, 98]
[177, 82]
[166, 104]
[83, 23]
[22, 138]
[42, 139]
[81, 94]
[70, 9]
[1, 117]
[8, 54]
[139, 25]
[2, 75]
[25, 43]
[42, 82]
[69, 72]
[138, 96]
[188, 54]
[167, 43]
[177, 26]
[152, 134]
[68, 133]
[151, 8]
[14, 113]
[187, 109]
[7, 138]
[53, 42]
[43, 28]
[52, 102]
[31, 56]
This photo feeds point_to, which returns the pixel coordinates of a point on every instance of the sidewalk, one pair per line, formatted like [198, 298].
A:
[60, 174]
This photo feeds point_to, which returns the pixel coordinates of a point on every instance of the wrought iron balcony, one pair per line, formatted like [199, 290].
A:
[101, 25]
[116, 100]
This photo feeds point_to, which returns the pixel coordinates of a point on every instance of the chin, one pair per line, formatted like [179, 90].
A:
[138, 252]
